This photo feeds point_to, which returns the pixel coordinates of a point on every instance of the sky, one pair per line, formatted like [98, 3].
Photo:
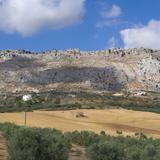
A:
[40, 25]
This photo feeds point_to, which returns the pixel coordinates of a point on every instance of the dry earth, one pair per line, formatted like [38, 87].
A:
[109, 120]
[77, 153]
[3, 149]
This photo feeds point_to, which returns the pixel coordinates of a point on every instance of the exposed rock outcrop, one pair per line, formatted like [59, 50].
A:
[110, 70]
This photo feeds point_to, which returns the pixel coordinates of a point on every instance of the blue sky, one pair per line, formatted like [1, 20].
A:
[83, 24]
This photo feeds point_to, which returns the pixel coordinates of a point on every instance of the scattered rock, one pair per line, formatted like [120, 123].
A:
[141, 94]
[107, 70]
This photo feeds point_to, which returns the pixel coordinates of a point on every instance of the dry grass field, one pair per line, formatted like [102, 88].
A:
[109, 120]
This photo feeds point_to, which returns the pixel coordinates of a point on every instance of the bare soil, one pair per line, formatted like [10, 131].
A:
[3, 148]
[77, 153]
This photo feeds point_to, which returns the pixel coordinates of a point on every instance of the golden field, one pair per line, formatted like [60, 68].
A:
[109, 120]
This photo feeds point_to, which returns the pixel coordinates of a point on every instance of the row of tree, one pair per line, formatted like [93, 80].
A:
[50, 144]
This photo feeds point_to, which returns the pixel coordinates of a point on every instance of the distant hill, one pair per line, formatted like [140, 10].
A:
[108, 70]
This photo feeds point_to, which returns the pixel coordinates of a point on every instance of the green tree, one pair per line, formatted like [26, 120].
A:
[149, 152]
[106, 151]
[37, 144]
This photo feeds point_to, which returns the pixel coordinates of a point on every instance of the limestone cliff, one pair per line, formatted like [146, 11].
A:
[108, 70]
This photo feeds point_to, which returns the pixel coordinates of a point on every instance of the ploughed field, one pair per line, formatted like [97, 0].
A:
[97, 120]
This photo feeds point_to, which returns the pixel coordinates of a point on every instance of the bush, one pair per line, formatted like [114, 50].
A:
[119, 132]
[105, 151]
[84, 138]
[149, 152]
[133, 153]
[57, 101]
[103, 133]
[8, 129]
[35, 144]
[50, 144]
[29, 144]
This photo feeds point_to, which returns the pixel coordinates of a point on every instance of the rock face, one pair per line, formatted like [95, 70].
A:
[108, 70]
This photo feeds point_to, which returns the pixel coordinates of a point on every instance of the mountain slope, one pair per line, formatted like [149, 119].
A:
[110, 70]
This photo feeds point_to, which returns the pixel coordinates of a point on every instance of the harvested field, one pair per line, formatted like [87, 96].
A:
[109, 120]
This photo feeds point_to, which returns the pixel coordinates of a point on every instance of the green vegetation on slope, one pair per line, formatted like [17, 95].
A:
[54, 100]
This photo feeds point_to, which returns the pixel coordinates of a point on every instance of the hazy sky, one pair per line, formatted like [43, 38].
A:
[86, 24]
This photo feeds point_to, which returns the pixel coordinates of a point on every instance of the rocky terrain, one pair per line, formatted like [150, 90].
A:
[107, 70]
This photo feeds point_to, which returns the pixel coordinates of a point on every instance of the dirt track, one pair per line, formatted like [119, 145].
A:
[3, 148]
[109, 120]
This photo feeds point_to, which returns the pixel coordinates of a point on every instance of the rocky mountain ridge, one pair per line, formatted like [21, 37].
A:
[106, 70]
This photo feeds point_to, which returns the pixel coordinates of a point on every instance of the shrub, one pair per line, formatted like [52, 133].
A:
[50, 144]
[103, 133]
[133, 153]
[119, 132]
[29, 144]
[149, 151]
[105, 151]
[57, 101]
[8, 129]
[84, 138]
[35, 144]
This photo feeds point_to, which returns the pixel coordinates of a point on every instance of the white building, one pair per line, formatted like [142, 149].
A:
[141, 94]
[27, 97]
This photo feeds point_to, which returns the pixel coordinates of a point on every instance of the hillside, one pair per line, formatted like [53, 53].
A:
[108, 70]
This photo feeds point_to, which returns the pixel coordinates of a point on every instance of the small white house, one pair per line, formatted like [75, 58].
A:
[72, 95]
[141, 94]
[26, 98]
